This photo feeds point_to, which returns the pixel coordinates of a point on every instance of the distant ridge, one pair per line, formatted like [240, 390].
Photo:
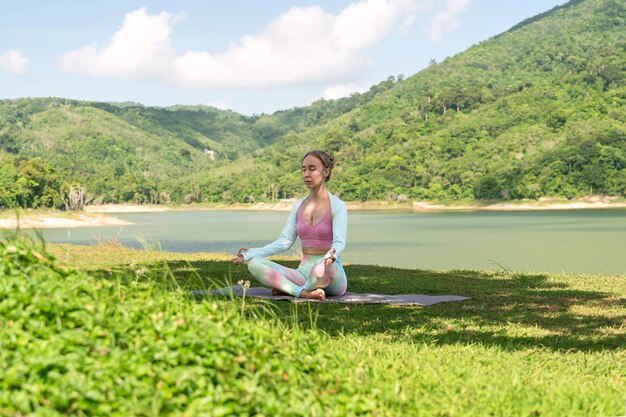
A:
[538, 110]
[540, 16]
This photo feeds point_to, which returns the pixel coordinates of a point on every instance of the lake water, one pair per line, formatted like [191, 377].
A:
[586, 241]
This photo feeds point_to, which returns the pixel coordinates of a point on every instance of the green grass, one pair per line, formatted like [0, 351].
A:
[524, 345]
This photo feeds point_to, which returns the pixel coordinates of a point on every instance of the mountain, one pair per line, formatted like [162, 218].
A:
[130, 152]
[538, 110]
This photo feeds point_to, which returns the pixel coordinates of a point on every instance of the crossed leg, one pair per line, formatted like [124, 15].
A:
[331, 278]
[276, 276]
[312, 279]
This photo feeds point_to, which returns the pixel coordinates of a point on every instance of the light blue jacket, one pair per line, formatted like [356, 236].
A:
[289, 234]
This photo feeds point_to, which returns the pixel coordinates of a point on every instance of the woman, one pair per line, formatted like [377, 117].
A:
[320, 220]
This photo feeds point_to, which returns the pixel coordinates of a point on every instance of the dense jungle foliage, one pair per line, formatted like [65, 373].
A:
[536, 111]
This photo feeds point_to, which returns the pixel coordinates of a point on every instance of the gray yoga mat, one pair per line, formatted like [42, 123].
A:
[348, 297]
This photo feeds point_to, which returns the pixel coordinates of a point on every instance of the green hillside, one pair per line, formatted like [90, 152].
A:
[85, 144]
[122, 152]
[536, 111]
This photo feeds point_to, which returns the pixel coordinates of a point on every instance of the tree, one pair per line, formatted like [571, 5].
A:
[487, 187]
[10, 190]
[76, 197]
[43, 186]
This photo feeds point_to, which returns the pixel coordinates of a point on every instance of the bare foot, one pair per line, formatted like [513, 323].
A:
[317, 294]
[279, 292]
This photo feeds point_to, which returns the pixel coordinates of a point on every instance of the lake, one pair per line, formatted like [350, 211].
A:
[585, 241]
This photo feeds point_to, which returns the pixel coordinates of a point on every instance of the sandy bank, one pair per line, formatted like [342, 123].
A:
[542, 204]
[99, 215]
[124, 208]
[424, 206]
[42, 221]
[285, 205]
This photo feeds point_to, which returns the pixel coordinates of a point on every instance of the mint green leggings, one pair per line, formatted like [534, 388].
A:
[310, 275]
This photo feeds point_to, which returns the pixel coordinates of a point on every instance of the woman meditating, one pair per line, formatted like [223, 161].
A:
[320, 220]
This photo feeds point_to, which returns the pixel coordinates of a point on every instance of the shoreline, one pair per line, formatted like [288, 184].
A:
[103, 215]
[415, 206]
[524, 206]
[54, 221]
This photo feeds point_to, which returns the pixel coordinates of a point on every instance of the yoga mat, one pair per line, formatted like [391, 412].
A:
[348, 297]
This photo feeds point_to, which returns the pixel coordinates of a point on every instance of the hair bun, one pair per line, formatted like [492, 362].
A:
[331, 159]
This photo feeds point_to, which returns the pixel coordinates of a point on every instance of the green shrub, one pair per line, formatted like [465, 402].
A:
[73, 344]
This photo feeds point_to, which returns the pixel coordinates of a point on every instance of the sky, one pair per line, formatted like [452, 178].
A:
[248, 56]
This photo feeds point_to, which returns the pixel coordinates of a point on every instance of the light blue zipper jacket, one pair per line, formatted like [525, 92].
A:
[289, 234]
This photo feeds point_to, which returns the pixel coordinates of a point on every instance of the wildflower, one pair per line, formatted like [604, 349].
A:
[245, 284]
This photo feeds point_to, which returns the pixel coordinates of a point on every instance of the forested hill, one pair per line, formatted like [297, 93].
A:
[538, 110]
[119, 152]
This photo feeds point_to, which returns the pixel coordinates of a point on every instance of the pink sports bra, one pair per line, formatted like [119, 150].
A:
[320, 235]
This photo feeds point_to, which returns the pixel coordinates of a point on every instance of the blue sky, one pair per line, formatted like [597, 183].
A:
[249, 56]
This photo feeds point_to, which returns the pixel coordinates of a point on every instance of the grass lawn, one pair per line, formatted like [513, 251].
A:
[524, 345]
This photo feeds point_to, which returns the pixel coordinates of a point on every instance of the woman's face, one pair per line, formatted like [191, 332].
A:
[313, 172]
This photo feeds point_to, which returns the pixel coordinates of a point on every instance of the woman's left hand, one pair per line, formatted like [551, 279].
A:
[239, 258]
[331, 259]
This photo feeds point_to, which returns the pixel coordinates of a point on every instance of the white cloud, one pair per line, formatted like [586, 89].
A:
[304, 44]
[141, 47]
[445, 21]
[344, 90]
[220, 104]
[363, 24]
[14, 62]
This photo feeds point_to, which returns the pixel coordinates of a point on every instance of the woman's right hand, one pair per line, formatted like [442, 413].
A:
[239, 258]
